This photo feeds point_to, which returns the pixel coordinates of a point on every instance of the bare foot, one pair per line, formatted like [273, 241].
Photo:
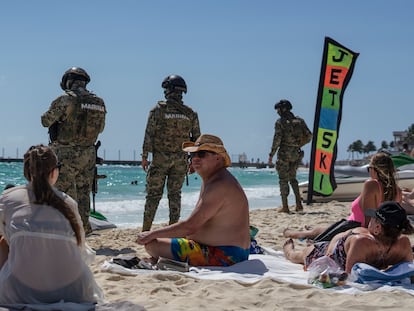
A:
[286, 233]
[289, 243]
[288, 247]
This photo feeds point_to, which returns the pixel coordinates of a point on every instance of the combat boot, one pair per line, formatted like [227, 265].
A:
[285, 207]
[299, 206]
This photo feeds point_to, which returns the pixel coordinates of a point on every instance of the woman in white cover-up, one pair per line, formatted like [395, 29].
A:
[43, 254]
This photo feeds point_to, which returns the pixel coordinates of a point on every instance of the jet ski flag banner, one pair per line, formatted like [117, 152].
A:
[336, 71]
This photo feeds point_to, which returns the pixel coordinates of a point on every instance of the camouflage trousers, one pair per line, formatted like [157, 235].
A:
[76, 177]
[170, 168]
[288, 160]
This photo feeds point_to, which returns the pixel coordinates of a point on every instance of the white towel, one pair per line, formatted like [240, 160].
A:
[272, 265]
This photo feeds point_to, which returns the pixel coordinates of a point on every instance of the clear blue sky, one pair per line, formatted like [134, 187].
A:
[237, 57]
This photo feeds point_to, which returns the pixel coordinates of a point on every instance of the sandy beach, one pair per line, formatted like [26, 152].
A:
[157, 291]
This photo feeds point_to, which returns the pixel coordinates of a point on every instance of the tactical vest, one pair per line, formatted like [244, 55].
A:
[173, 125]
[86, 120]
[295, 132]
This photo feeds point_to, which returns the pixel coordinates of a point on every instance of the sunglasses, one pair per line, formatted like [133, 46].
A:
[369, 168]
[201, 154]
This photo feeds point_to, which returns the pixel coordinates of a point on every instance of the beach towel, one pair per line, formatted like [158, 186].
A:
[271, 265]
[398, 274]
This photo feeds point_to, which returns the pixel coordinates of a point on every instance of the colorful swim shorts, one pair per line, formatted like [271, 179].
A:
[197, 254]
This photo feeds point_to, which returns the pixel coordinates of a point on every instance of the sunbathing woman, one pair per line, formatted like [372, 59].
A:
[380, 245]
[42, 246]
[380, 187]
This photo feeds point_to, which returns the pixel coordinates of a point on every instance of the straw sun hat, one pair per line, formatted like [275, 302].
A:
[208, 142]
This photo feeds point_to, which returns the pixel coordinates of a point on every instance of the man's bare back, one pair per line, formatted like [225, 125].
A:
[223, 197]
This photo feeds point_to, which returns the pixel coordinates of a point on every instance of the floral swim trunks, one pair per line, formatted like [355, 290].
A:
[197, 254]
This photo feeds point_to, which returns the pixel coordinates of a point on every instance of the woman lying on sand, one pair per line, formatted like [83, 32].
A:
[380, 187]
[380, 245]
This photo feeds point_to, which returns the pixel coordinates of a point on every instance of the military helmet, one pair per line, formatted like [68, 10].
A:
[74, 73]
[283, 104]
[174, 83]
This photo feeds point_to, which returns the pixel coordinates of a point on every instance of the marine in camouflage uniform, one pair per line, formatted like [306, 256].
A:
[75, 120]
[291, 133]
[170, 123]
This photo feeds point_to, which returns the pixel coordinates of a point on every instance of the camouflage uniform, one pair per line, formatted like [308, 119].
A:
[170, 123]
[77, 119]
[291, 133]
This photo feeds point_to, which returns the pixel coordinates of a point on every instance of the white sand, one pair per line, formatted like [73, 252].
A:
[178, 292]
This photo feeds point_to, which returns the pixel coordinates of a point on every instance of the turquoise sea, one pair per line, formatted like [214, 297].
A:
[122, 200]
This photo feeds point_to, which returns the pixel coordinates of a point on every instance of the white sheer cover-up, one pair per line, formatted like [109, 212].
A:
[45, 264]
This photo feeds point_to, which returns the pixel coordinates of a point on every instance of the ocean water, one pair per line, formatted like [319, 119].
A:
[121, 195]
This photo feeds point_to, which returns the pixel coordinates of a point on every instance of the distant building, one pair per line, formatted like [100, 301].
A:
[400, 137]
[243, 158]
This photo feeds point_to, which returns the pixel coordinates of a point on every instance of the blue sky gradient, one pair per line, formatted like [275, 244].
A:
[237, 57]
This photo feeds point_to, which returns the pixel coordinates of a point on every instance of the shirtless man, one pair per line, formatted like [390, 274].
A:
[217, 231]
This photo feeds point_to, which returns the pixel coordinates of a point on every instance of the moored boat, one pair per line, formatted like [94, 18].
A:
[350, 180]
[349, 187]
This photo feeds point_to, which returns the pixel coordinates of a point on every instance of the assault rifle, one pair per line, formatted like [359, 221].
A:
[96, 176]
[190, 135]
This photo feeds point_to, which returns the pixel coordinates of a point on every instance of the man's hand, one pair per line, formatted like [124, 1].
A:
[144, 164]
[144, 238]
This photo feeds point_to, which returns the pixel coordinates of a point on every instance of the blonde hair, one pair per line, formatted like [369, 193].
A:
[384, 166]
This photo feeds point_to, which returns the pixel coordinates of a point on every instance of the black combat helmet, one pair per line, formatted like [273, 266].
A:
[74, 73]
[174, 83]
[283, 104]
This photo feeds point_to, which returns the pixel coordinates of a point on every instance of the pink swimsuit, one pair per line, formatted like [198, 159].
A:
[357, 213]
